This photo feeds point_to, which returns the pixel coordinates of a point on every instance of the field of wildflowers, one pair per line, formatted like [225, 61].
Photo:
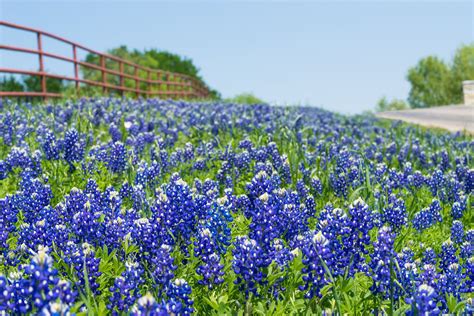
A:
[151, 207]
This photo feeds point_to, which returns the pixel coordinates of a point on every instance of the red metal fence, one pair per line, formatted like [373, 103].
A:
[157, 83]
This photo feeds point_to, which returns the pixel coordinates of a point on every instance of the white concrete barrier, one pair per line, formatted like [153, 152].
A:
[468, 91]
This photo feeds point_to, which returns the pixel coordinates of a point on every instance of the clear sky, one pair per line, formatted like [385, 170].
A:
[342, 56]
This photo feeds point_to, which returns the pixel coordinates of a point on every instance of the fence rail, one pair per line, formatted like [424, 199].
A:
[166, 84]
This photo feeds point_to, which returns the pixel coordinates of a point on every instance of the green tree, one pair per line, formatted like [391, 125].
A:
[430, 83]
[33, 83]
[434, 82]
[245, 98]
[30, 83]
[394, 105]
[153, 59]
[462, 68]
[11, 84]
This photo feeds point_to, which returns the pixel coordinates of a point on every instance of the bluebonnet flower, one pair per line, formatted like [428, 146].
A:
[125, 290]
[211, 270]
[115, 133]
[126, 190]
[466, 250]
[51, 147]
[81, 258]
[180, 291]
[282, 256]
[7, 128]
[7, 221]
[470, 236]
[428, 216]
[429, 256]
[395, 214]
[19, 157]
[450, 190]
[55, 309]
[248, 263]
[445, 164]
[458, 208]
[406, 256]
[163, 267]
[301, 188]
[259, 185]
[451, 281]
[118, 228]
[147, 235]
[142, 177]
[417, 179]
[188, 152]
[334, 224]
[147, 305]
[361, 221]
[316, 254]
[139, 199]
[429, 276]
[285, 169]
[468, 283]
[74, 148]
[176, 208]
[457, 232]
[469, 310]
[447, 255]
[84, 215]
[293, 218]
[264, 226]
[469, 182]
[199, 164]
[34, 286]
[436, 182]
[382, 263]
[280, 253]
[407, 275]
[33, 197]
[423, 302]
[339, 183]
[3, 169]
[316, 185]
[117, 159]
[217, 220]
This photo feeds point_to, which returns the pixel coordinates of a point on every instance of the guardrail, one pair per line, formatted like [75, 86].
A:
[158, 83]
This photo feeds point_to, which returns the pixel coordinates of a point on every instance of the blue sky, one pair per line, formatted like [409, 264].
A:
[342, 56]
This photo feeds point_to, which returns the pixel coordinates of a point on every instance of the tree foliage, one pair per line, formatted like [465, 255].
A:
[245, 98]
[430, 83]
[53, 85]
[393, 105]
[30, 83]
[462, 69]
[435, 82]
[11, 84]
[152, 58]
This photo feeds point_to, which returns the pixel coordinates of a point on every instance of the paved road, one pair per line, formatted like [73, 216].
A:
[453, 118]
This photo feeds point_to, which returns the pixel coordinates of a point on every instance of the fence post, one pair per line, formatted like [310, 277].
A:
[104, 74]
[76, 68]
[41, 67]
[149, 83]
[193, 88]
[137, 83]
[190, 88]
[122, 90]
[159, 87]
